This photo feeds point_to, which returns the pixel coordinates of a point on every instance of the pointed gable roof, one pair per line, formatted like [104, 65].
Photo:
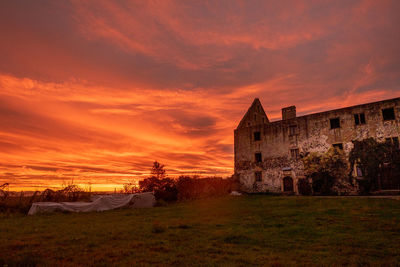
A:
[255, 115]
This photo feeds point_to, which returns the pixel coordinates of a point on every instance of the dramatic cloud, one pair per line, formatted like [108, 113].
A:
[95, 91]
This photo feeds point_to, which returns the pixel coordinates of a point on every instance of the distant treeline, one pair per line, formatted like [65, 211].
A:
[165, 190]
[22, 203]
[187, 187]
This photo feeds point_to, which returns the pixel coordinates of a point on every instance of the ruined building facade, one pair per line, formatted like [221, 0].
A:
[267, 154]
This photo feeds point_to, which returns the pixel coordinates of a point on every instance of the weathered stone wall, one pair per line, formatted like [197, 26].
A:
[310, 133]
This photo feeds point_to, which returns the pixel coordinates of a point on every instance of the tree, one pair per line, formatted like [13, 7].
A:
[4, 190]
[158, 182]
[130, 188]
[371, 157]
[328, 171]
[158, 170]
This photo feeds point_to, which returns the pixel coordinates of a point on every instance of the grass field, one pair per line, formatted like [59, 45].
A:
[246, 230]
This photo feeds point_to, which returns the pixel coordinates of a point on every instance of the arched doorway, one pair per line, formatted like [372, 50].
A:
[287, 184]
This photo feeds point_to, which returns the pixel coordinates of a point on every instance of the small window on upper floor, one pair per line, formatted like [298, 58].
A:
[257, 136]
[338, 145]
[258, 176]
[255, 117]
[258, 157]
[359, 118]
[388, 114]
[335, 123]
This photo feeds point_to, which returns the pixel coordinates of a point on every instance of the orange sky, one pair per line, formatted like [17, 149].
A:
[95, 91]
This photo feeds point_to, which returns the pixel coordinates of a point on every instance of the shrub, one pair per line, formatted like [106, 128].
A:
[328, 171]
[164, 189]
[305, 188]
[185, 187]
[130, 188]
[196, 187]
[23, 203]
[373, 158]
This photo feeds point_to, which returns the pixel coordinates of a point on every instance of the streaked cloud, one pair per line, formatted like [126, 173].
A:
[96, 90]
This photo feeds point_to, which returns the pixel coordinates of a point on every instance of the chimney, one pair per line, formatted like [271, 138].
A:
[289, 113]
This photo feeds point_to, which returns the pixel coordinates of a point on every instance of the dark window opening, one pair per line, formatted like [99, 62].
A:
[294, 153]
[258, 176]
[257, 136]
[335, 123]
[255, 117]
[388, 114]
[359, 118]
[362, 118]
[339, 146]
[292, 129]
[356, 119]
[258, 157]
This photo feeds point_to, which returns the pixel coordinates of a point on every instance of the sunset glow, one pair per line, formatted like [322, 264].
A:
[95, 91]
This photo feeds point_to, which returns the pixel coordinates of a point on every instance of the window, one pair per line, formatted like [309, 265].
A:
[335, 123]
[258, 157]
[338, 145]
[388, 114]
[362, 118]
[257, 136]
[359, 118]
[292, 129]
[258, 176]
[294, 153]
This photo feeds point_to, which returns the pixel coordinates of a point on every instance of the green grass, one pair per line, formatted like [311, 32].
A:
[247, 230]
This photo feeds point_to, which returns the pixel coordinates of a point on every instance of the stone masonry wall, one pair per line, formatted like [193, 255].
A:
[311, 133]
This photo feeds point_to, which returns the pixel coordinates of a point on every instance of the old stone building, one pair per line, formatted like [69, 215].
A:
[267, 154]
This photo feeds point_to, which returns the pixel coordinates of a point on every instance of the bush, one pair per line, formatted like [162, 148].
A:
[374, 159]
[70, 193]
[328, 171]
[164, 189]
[196, 187]
[185, 187]
[130, 188]
[22, 203]
[305, 187]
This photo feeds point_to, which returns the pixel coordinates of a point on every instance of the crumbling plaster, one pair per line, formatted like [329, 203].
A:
[313, 134]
